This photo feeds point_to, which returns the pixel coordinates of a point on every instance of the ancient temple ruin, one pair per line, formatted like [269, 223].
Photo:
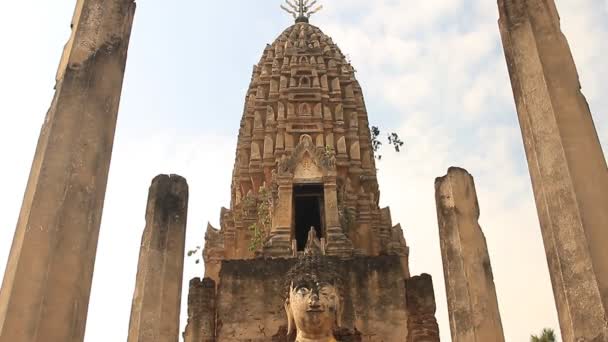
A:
[305, 172]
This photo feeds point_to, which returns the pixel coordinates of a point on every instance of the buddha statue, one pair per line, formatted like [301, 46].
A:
[313, 301]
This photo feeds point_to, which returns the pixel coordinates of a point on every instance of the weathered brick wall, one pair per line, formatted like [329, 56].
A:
[201, 311]
[250, 302]
[421, 307]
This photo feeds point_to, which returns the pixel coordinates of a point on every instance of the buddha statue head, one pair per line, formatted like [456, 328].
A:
[313, 301]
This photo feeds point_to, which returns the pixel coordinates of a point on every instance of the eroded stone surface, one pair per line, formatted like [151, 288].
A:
[158, 287]
[201, 311]
[420, 298]
[566, 163]
[471, 294]
[47, 282]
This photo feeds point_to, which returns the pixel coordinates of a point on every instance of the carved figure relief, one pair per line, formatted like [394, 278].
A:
[269, 115]
[304, 82]
[307, 168]
[305, 110]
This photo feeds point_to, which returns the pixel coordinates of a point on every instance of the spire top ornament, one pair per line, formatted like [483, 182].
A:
[301, 10]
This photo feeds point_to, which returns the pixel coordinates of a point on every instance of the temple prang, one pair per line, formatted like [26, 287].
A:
[304, 183]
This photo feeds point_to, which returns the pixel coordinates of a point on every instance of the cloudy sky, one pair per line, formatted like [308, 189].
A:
[431, 70]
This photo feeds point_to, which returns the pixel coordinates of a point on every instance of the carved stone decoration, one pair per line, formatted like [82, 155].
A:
[280, 145]
[257, 121]
[247, 128]
[243, 159]
[324, 83]
[291, 110]
[342, 145]
[274, 86]
[313, 302]
[355, 151]
[354, 120]
[268, 147]
[283, 83]
[339, 113]
[255, 151]
[349, 92]
[335, 85]
[269, 115]
[319, 141]
[261, 93]
[305, 82]
[289, 145]
[315, 166]
[305, 110]
[318, 110]
[307, 169]
[314, 246]
[327, 116]
[281, 114]
[329, 140]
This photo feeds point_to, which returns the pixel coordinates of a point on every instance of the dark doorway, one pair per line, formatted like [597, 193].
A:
[308, 205]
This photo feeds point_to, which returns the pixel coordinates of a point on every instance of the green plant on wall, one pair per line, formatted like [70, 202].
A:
[259, 229]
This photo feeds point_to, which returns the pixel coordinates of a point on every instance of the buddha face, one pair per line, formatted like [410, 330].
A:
[314, 308]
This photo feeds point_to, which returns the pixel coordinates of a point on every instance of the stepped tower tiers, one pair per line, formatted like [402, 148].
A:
[304, 235]
[304, 159]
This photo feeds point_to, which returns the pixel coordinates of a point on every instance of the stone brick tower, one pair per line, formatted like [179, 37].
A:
[304, 161]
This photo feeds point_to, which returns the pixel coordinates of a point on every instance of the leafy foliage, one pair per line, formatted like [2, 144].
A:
[547, 335]
[260, 228]
[393, 139]
[195, 253]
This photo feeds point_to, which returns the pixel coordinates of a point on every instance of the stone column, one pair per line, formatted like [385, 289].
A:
[279, 244]
[158, 287]
[201, 311]
[338, 244]
[566, 163]
[420, 299]
[47, 282]
[472, 303]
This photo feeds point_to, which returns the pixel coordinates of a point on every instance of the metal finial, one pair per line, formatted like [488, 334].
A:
[301, 10]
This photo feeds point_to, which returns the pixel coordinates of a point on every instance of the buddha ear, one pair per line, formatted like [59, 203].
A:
[338, 310]
[290, 321]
